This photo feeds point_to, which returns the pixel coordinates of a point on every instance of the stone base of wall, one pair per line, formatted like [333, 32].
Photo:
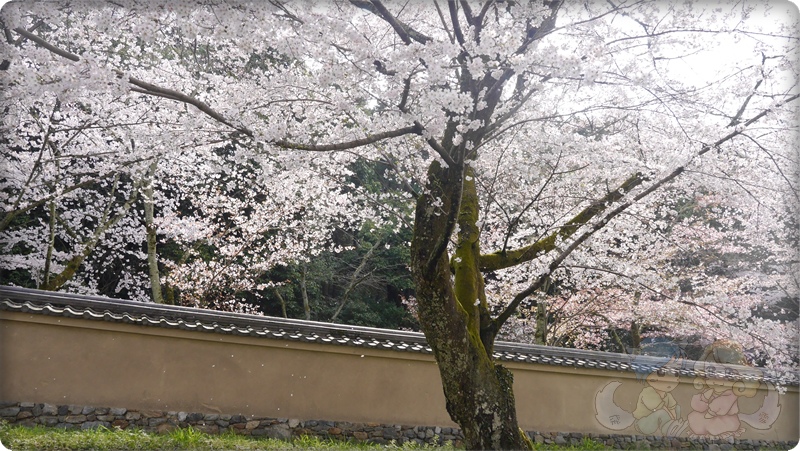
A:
[72, 417]
[86, 417]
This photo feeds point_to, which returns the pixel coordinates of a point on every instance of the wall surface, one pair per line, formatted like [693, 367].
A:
[72, 361]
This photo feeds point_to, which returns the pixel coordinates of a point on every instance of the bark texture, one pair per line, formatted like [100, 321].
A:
[453, 313]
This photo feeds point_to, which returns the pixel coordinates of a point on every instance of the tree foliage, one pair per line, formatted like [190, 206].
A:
[611, 166]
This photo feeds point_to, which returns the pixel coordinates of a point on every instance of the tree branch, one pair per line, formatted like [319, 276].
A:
[506, 259]
[454, 20]
[405, 32]
[41, 42]
[369, 139]
[151, 89]
[543, 244]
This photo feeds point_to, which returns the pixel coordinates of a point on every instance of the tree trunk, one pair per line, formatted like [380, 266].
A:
[281, 300]
[73, 265]
[540, 335]
[152, 252]
[453, 313]
[304, 293]
[51, 242]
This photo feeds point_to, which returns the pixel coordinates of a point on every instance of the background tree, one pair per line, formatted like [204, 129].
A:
[534, 141]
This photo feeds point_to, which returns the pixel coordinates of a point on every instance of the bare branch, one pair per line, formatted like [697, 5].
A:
[47, 45]
[506, 259]
[454, 20]
[444, 23]
[404, 31]
[370, 139]
[149, 88]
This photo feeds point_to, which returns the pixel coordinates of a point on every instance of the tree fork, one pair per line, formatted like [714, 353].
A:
[479, 393]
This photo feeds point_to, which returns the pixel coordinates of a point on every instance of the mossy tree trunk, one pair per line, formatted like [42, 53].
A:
[452, 306]
[454, 315]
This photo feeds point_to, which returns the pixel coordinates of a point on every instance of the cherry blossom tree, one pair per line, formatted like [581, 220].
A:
[538, 142]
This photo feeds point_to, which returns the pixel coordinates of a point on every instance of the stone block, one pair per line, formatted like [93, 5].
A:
[293, 422]
[211, 417]
[122, 424]
[49, 409]
[151, 413]
[360, 435]
[26, 405]
[95, 425]
[49, 420]
[75, 410]
[75, 419]
[63, 410]
[118, 411]
[250, 425]
[86, 410]
[9, 412]
[133, 415]
[335, 431]
[108, 418]
[153, 422]
[24, 414]
[279, 431]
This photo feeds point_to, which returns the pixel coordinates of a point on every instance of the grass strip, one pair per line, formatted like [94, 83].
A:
[19, 438]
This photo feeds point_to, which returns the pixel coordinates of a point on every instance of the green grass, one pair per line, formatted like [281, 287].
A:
[19, 438]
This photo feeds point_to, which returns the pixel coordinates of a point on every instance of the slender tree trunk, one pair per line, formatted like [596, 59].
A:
[540, 335]
[74, 264]
[354, 281]
[51, 241]
[281, 300]
[152, 252]
[304, 293]
[636, 337]
[478, 392]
